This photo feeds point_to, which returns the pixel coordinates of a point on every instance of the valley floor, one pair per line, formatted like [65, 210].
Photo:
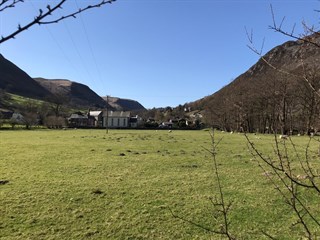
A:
[79, 184]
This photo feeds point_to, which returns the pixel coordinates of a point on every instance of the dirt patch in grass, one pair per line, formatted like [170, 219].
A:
[3, 182]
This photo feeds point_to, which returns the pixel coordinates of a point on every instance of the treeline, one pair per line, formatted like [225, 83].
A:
[278, 101]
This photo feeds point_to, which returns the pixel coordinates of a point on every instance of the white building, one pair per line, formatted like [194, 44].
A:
[116, 119]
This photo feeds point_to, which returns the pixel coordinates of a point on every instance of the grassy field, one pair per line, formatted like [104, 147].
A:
[86, 184]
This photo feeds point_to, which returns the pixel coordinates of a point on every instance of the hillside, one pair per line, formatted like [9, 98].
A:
[122, 104]
[76, 94]
[16, 81]
[273, 95]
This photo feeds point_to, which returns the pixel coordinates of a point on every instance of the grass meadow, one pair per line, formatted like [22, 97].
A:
[86, 184]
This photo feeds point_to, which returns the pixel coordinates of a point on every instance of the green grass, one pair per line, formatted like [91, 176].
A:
[20, 100]
[17, 101]
[86, 184]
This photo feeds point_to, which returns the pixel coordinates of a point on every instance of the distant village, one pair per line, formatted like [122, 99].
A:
[102, 119]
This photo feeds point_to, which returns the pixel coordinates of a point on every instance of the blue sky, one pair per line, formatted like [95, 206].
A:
[158, 52]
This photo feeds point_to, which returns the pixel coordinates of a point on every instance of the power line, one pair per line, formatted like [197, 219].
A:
[90, 48]
[77, 51]
[58, 44]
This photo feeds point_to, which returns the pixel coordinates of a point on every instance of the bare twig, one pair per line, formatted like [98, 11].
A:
[193, 223]
[279, 28]
[4, 4]
[74, 14]
[45, 13]
[291, 184]
[268, 235]
[222, 208]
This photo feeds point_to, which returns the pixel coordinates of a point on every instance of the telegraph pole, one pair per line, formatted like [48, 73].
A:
[107, 122]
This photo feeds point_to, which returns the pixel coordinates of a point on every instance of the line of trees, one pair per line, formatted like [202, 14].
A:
[274, 102]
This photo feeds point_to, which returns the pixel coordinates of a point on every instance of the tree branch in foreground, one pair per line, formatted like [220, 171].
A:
[221, 207]
[40, 19]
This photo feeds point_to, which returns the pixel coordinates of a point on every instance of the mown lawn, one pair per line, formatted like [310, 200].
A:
[86, 184]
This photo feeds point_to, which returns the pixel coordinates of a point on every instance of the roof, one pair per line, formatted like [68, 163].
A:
[95, 113]
[77, 116]
[124, 114]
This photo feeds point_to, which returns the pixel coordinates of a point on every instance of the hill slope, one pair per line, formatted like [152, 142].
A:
[122, 104]
[16, 81]
[77, 94]
[273, 95]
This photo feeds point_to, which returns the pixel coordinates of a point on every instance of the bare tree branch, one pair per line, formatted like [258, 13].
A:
[222, 208]
[263, 58]
[44, 14]
[9, 5]
[285, 175]
[304, 37]
[193, 223]
[74, 14]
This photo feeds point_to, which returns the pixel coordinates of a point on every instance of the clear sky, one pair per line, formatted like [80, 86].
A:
[158, 52]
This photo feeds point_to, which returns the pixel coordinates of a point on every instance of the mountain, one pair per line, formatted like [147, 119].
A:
[81, 95]
[122, 104]
[16, 81]
[275, 94]
[76, 94]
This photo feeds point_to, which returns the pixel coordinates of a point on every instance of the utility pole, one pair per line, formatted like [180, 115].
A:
[107, 122]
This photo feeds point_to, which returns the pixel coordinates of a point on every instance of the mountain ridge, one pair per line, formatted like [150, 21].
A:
[14, 80]
[123, 104]
[77, 94]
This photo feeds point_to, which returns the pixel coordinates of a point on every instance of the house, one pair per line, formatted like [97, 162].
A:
[78, 120]
[136, 122]
[133, 122]
[95, 118]
[196, 115]
[116, 119]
